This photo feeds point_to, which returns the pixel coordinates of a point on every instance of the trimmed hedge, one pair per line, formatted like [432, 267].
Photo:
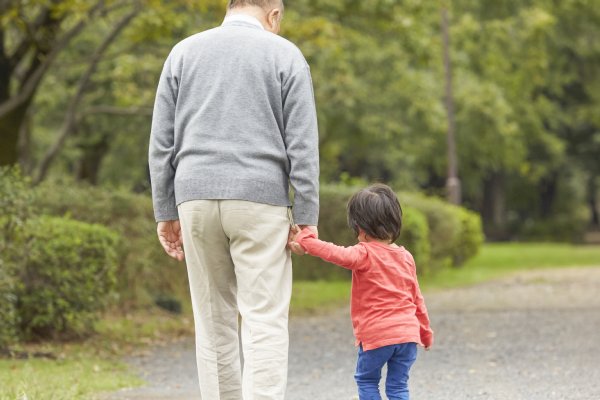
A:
[55, 273]
[67, 276]
[436, 233]
[145, 273]
[455, 233]
[15, 208]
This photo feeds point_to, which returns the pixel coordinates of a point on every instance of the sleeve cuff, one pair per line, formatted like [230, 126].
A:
[166, 215]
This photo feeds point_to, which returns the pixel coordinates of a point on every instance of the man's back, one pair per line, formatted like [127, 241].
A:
[236, 90]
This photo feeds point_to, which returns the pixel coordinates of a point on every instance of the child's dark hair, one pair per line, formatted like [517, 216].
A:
[376, 210]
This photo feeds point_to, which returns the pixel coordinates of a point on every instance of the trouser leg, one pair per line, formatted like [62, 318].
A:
[213, 289]
[258, 237]
[396, 385]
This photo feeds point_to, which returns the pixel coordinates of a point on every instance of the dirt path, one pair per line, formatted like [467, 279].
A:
[533, 336]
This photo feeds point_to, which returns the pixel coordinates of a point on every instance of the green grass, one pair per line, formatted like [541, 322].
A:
[500, 259]
[90, 366]
[61, 380]
[319, 296]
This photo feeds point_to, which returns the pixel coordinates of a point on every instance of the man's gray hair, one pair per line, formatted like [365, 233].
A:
[264, 4]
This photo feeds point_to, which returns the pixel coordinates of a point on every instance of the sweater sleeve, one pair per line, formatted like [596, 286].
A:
[161, 149]
[302, 143]
[421, 313]
[352, 258]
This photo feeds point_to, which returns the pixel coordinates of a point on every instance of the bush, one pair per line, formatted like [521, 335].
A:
[455, 234]
[415, 237]
[67, 276]
[145, 272]
[15, 208]
[471, 236]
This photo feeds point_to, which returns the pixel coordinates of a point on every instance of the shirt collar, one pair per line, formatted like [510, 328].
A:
[243, 18]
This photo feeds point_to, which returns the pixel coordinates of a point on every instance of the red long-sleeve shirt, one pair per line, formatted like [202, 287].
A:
[386, 306]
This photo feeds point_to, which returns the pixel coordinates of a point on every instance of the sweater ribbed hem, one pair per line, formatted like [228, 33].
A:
[264, 192]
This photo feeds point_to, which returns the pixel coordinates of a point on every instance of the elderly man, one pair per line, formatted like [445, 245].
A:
[234, 122]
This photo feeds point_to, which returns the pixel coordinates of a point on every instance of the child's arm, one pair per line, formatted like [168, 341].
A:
[421, 313]
[353, 257]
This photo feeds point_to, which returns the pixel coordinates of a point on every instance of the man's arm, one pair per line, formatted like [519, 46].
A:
[162, 173]
[302, 143]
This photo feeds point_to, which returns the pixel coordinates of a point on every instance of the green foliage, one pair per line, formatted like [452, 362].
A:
[75, 378]
[144, 270]
[471, 236]
[15, 208]
[66, 277]
[415, 237]
[455, 233]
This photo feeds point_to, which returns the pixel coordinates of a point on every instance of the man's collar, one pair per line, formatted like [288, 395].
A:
[243, 18]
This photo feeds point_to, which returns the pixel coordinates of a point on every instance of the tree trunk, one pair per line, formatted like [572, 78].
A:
[493, 210]
[10, 126]
[547, 189]
[593, 201]
[89, 164]
[453, 186]
[10, 123]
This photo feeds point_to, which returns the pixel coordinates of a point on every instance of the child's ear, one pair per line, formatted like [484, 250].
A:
[361, 235]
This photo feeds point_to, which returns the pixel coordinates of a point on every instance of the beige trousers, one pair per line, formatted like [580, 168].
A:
[238, 264]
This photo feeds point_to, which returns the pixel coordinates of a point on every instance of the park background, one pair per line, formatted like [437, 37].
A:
[506, 99]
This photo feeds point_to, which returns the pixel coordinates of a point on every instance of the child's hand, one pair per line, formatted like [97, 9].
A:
[292, 244]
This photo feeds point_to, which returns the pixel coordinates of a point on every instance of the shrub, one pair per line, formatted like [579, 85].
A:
[471, 236]
[145, 272]
[455, 234]
[15, 208]
[415, 237]
[66, 277]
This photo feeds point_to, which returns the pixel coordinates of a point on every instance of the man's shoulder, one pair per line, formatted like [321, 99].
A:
[190, 40]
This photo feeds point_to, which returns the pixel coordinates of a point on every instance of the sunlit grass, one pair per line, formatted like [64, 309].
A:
[87, 367]
[312, 297]
[40, 379]
[500, 259]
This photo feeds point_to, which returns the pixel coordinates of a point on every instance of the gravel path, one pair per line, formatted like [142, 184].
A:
[533, 336]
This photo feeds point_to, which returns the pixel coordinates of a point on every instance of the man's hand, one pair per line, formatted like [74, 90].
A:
[294, 231]
[169, 235]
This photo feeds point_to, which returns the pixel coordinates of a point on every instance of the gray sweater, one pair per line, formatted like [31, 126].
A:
[235, 118]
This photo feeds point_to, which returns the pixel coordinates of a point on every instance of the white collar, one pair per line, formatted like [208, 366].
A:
[243, 18]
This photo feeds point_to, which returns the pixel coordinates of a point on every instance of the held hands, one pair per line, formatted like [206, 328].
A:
[294, 231]
[169, 235]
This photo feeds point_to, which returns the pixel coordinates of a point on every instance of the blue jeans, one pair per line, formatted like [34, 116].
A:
[399, 358]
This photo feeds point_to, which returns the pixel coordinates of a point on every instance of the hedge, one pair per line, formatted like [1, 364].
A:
[145, 272]
[66, 277]
[55, 273]
[455, 233]
[15, 208]
[437, 234]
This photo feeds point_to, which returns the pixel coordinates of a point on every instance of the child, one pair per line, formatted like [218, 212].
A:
[388, 311]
